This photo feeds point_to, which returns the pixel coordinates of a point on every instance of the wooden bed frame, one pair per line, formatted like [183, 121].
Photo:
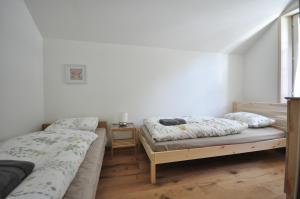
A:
[277, 111]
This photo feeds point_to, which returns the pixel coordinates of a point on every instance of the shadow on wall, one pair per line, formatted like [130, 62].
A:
[250, 38]
[205, 85]
[233, 79]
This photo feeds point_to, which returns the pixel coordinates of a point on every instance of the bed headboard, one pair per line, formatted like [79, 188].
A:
[101, 124]
[277, 111]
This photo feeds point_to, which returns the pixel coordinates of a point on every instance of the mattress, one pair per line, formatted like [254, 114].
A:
[85, 183]
[246, 136]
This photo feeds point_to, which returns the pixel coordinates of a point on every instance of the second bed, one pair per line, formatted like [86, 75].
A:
[248, 140]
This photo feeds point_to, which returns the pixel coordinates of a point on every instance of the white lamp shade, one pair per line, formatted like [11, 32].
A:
[123, 117]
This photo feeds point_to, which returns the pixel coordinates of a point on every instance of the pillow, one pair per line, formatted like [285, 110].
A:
[253, 120]
[83, 124]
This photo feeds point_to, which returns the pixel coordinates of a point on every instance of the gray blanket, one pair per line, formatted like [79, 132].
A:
[172, 122]
[12, 173]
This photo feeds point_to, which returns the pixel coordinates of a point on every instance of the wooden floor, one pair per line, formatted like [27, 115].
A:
[256, 175]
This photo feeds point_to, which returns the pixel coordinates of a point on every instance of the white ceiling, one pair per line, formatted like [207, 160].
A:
[205, 25]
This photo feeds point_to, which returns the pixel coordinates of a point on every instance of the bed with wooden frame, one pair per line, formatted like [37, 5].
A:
[277, 111]
[85, 183]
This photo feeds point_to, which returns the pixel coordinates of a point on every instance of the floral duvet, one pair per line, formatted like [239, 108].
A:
[57, 156]
[194, 128]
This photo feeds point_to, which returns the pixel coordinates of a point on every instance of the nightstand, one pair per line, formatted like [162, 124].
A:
[123, 143]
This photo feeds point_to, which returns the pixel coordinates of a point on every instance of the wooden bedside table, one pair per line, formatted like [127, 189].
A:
[123, 143]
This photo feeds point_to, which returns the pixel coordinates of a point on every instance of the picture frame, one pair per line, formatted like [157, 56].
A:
[75, 74]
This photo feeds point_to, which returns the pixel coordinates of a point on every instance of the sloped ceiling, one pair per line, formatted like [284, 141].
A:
[204, 25]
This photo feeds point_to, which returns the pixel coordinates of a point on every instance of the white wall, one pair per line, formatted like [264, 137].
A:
[142, 81]
[261, 64]
[21, 66]
[261, 67]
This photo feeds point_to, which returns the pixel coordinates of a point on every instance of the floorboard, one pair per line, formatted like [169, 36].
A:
[258, 175]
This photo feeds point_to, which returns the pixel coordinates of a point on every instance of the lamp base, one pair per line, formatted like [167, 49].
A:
[122, 124]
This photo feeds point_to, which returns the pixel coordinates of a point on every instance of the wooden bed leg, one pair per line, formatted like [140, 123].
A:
[153, 173]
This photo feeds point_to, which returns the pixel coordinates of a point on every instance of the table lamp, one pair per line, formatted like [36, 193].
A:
[123, 119]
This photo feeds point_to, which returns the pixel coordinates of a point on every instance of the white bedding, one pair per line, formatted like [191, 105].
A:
[194, 128]
[57, 156]
[78, 123]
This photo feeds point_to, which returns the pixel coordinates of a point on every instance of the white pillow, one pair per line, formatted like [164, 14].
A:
[253, 120]
[83, 124]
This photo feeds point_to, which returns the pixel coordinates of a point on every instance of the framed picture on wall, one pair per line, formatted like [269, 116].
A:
[75, 74]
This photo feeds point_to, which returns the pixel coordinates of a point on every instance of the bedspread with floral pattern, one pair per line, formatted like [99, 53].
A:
[194, 128]
[57, 156]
